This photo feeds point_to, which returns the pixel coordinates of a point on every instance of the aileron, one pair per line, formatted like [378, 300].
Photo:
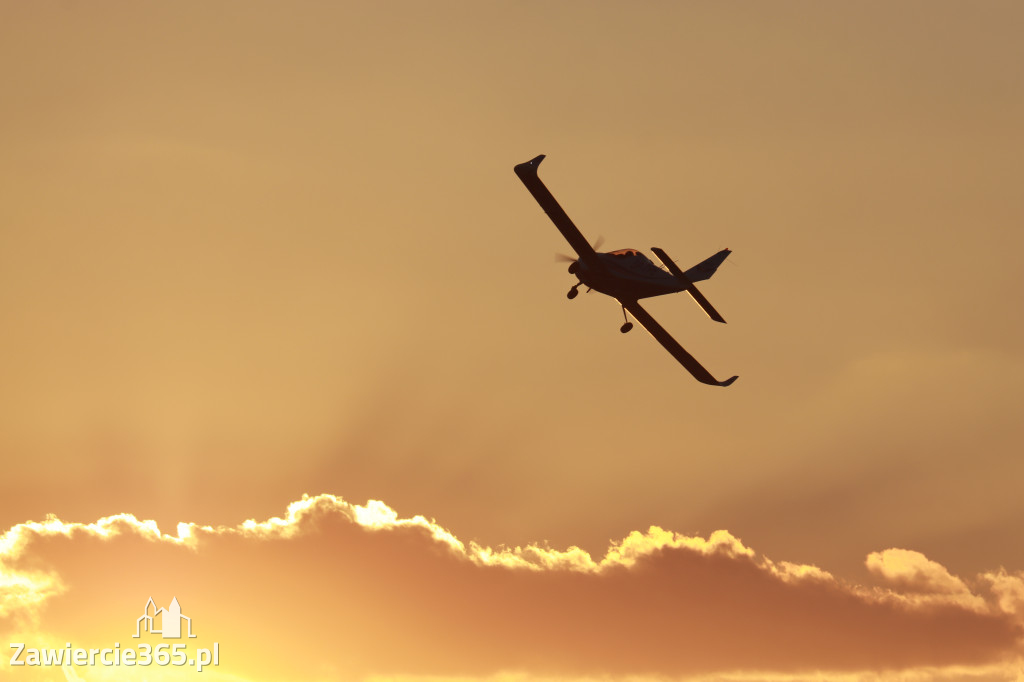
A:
[672, 346]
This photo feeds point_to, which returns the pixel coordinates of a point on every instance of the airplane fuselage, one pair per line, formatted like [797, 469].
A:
[627, 274]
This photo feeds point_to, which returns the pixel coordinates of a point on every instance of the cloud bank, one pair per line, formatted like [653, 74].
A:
[335, 590]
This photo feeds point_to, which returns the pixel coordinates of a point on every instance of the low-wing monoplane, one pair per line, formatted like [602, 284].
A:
[627, 275]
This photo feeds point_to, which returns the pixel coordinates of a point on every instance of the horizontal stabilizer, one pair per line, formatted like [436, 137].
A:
[704, 303]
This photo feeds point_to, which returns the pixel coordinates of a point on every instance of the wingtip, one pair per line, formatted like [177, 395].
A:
[529, 166]
[728, 382]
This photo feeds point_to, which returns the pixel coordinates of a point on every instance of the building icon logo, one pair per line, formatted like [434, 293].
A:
[170, 620]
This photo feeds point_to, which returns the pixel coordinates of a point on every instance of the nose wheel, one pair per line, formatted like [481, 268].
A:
[573, 293]
[627, 325]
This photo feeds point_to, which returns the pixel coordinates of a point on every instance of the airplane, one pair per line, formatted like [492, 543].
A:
[627, 275]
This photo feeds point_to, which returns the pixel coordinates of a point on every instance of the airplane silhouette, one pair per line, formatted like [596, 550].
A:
[627, 275]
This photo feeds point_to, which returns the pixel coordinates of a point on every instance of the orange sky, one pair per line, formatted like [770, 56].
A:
[251, 251]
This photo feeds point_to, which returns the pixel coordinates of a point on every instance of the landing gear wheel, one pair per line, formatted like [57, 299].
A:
[573, 293]
[626, 327]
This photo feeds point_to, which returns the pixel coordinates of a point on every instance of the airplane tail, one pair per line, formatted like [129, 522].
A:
[704, 270]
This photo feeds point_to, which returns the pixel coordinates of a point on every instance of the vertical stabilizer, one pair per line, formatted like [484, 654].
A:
[707, 267]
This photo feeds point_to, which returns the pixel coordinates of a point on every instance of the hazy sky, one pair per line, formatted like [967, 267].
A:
[256, 250]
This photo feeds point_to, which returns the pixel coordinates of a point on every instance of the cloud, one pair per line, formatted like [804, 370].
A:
[23, 592]
[922, 580]
[1008, 590]
[1008, 672]
[335, 590]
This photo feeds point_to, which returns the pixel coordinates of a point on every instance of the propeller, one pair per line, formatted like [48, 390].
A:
[563, 258]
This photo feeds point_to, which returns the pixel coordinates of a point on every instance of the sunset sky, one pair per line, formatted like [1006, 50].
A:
[283, 336]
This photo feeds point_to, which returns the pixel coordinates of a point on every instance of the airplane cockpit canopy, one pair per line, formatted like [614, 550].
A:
[625, 252]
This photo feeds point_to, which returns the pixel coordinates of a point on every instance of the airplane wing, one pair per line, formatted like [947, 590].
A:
[672, 346]
[527, 172]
